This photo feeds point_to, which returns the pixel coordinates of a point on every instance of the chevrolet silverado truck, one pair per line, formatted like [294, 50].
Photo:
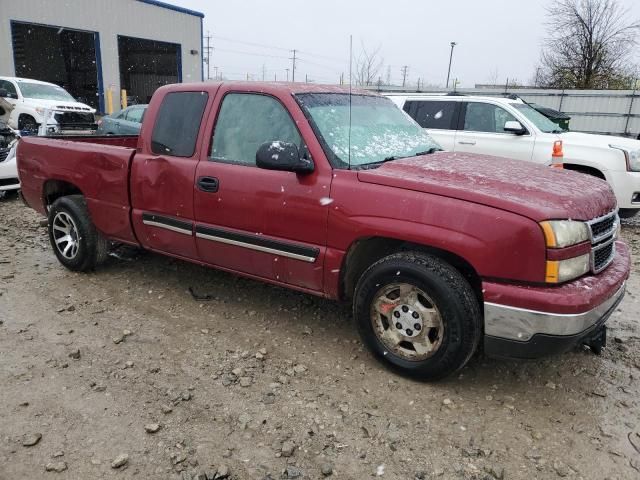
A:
[344, 196]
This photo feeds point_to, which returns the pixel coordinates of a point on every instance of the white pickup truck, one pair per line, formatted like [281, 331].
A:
[510, 128]
[32, 99]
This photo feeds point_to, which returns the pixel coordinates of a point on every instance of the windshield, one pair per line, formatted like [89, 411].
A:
[538, 119]
[380, 131]
[42, 91]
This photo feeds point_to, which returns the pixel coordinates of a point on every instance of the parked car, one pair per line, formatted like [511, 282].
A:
[9, 182]
[32, 99]
[345, 197]
[125, 122]
[510, 128]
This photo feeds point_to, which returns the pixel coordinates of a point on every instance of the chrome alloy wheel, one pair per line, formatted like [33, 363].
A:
[407, 321]
[65, 235]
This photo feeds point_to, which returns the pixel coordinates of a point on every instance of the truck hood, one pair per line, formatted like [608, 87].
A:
[593, 140]
[535, 191]
[58, 105]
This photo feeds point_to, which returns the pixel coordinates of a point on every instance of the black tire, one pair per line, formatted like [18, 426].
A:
[628, 212]
[450, 294]
[10, 194]
[27, 123]
[91, 248]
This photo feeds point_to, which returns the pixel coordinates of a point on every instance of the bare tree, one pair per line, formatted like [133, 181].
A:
[589, 45]
[368, 66]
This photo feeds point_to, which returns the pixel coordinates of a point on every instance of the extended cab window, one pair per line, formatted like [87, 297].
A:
[245, 122]
[485, 117]
[433, 114]
[178, 121]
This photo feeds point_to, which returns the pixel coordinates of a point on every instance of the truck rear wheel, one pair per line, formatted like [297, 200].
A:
[74, 238]
[418, 315]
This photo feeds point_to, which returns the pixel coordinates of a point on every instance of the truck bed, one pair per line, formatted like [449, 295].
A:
[101, 164]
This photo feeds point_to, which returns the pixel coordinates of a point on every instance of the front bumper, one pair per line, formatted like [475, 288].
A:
[626, 186]
[532, 322]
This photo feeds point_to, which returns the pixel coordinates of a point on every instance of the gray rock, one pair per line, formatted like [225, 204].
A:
[246, 381]
[561, 469]
[326, 469]
[166, 409]
[223, 472]
[152, 427]
[75, 354]
[292, 472]
[120, 461]
[288, 447]
[55, 467]
[31, 439]
[118, 339]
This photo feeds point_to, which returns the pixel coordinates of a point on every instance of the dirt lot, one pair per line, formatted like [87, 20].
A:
[261, 383]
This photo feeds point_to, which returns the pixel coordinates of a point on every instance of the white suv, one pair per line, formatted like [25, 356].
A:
[510, 128]
[32, 99]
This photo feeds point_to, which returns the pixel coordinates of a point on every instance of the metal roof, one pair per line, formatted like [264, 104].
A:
[175, 8]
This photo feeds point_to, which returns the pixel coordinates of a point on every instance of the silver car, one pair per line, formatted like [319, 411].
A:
[125, 122]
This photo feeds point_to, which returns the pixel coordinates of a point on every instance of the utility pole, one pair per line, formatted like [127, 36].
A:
[264, 71]
[453, 44]
[208, 49]
[418, 83]
[287, 74]
[388, 75]
[404, 71]
[342, 79]
[215, 72]
[293, 66]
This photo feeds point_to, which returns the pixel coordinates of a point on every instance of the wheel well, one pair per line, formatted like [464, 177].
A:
[584, 169]
[366, 252]
[26, 115]
[54, 189]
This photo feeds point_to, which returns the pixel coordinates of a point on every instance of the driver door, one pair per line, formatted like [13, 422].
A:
[264, 223]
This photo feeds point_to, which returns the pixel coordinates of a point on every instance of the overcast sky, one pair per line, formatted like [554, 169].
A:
[496, 38]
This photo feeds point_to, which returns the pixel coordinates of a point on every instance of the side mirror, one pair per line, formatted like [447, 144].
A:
[282, 156]
[4, 93]
[513, 126]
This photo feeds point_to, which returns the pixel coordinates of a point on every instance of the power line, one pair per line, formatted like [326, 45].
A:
[239, 52]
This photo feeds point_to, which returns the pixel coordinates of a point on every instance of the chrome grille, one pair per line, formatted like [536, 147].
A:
[603, 232]
[4, 153]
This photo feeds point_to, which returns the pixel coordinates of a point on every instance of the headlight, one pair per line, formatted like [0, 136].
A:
[559, 271]
[564, 233]
[40, 111]
[631, 156]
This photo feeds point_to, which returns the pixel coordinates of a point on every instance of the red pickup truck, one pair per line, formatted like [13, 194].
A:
[344, 196]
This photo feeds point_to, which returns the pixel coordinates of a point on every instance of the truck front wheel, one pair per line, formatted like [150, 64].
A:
[74, 238]
[418, 314]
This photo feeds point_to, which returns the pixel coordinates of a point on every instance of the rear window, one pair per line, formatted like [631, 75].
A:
[177, 124]
[433, 114]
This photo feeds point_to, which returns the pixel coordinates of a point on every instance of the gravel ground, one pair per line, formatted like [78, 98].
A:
[122, 374]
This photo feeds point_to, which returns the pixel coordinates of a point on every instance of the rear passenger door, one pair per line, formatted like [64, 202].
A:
[482, 131]
[439, 117]
[162, 175]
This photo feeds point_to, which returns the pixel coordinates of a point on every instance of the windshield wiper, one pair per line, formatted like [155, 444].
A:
[430, 151]
[557, 130]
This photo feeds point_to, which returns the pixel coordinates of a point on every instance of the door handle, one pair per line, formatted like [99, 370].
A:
[467, 143]
[208, 184]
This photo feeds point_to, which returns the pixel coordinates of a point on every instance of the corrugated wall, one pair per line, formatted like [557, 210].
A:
[109, 18]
